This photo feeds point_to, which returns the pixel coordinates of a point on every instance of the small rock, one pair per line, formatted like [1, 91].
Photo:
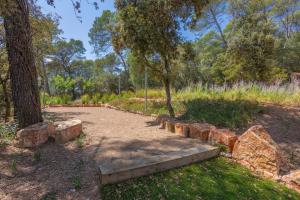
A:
[223, 136]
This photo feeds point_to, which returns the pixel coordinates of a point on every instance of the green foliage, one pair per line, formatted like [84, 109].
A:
[80, 141]
[214, 179]
[76, 181]
[231, 107]
[102, 31]
[13, 166]
[37, 156]
[64, 99]
[7, 133]
[96, 98]
[107, 97]
[222, 113]
[63, 85]
[49, 196]
[85, 99]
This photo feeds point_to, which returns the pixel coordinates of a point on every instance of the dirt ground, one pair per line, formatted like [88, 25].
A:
[283, 124]
[56, 170]
[109, 135]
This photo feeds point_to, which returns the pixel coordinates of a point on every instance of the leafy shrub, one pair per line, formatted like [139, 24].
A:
[63, 85]
[85, 99]
[105, 98]
[66, 99]
[57, 100]
[96, 98]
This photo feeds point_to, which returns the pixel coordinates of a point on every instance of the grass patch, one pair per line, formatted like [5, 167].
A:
[49, 196]
[76, 181]
[214, 179]
[13, 166]
[80, 141]
[7, 134]
[220, 112]
[37, 156]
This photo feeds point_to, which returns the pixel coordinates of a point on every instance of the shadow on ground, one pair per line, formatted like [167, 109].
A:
[221, 113]
[67, 171]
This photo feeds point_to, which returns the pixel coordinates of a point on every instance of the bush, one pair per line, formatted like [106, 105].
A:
[56, 100]
[96, 98]
[85, 99]
[108, 98]
[66, 99]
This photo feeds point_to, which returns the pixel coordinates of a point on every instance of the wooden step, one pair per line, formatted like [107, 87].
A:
[123, 169]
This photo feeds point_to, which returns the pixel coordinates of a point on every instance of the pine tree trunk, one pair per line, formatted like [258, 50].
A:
[25, 93]
[7, 102]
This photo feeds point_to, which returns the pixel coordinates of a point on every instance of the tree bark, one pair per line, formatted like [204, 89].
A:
[7, 101]
[126, 69]
[168, 95]
[167, 84]
[46, 81]
[25, 92]
[219, 27]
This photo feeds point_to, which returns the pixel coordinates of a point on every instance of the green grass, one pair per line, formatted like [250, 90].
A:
[214, 179]
[80, 141]
[7, 134]
[220, 112]
[230, 107]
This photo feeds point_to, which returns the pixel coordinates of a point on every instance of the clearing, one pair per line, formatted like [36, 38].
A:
[71, 171]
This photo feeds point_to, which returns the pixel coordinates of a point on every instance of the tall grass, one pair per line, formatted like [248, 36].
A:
[255, 92]
[224, 106]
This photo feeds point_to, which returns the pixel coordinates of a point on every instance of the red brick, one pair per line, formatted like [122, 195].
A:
[223, 136]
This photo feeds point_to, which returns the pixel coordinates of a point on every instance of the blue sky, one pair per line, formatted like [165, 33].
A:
[73, 28]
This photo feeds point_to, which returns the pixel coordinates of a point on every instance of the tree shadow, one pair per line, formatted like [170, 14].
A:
[55, 172]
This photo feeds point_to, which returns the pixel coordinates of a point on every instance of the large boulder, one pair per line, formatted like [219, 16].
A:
[223, 136]
[67, 130]
[256, 150]
[200, 131]
[34, 135]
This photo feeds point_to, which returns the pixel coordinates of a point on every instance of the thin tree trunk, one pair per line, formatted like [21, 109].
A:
[46, 81]
[25, 92]
[126, 69]
[219, 27]
[168, 95]
[167, 84]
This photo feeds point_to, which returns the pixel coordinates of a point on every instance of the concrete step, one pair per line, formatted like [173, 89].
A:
[123, 169]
